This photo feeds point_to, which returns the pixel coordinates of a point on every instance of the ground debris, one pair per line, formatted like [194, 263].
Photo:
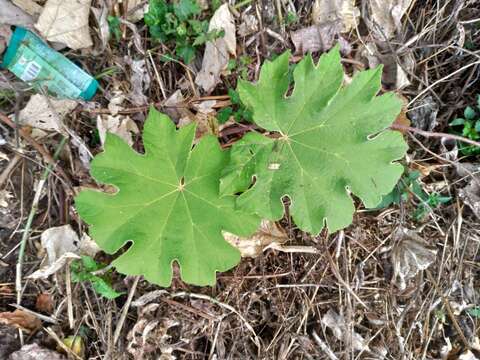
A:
[410, 254]
[66, 22]
[267, 234]
[21, 319]
[217, 52]
[35, 352]
[320, 37]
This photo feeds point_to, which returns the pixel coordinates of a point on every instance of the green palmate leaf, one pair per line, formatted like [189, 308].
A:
[328, 140]
[167, 205]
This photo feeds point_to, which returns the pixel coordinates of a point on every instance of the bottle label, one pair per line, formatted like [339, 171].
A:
[45, 69]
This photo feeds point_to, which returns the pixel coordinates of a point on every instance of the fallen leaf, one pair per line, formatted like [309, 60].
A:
[387, 16]
[35, 352]
[248, 26]
[66, 22]
[336, 323]
[176, 108]
[13, 15]
[319, 38]
[140, 81]
[58, 241]
[46, 113]
[44, 303]
[136, 10]
[394, 76]
[116, 101]
[21, 319]
[122, 126]
[424, 114]
[29, 6]
[62, 245]
[449, 148]
[216, 56]
[76, 344]
[402, 120]
[410, 254]
[101, 15]
[51, 269]
[150, 334]
[344, 11]
[268, 233]
[470, 195]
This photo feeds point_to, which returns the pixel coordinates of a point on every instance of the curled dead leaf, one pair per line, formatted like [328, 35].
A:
[22, 320]
[44, 303]
[410, 254]
[217, 52]
[269, 234]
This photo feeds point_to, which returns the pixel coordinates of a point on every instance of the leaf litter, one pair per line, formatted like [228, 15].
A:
[276, 292]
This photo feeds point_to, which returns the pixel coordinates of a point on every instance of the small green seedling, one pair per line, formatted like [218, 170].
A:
[238, 110]
[114, 27]
[410, 185]
[177, 23]
[428, 203]
[407, 185]
[469, 127]
[82, 270]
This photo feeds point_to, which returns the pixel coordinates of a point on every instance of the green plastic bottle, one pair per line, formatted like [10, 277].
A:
[33, 61]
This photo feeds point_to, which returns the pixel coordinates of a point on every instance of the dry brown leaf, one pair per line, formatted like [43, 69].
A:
[470, 195]
[344, 11]
[120, 125]
[387, 16]
[140, 82]
[402, 120]
[150, 334]
[269, 233]
[46, 113]
[319, 38]
[66, 22]
[336, 323]
[217, 53]
[410, 254]
[21, 320]
[44, 303]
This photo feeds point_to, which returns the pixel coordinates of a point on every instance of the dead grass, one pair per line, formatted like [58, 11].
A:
[275, 306]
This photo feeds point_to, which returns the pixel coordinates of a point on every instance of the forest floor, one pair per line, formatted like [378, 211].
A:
[401, 282]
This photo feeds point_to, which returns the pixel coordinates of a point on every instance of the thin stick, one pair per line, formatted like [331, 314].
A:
[125, 309]
[33, 211]
[434, 134]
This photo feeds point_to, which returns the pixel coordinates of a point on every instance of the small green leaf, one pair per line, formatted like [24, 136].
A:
[477, 126]
[224, 114]
[330, 140]
[186, 8]
[469, 113]
[168, 207]
[103, 288]
[457, 121]
[475, 312]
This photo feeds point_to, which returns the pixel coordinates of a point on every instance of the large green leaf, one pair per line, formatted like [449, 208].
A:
[328, 141]
[167, 205]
